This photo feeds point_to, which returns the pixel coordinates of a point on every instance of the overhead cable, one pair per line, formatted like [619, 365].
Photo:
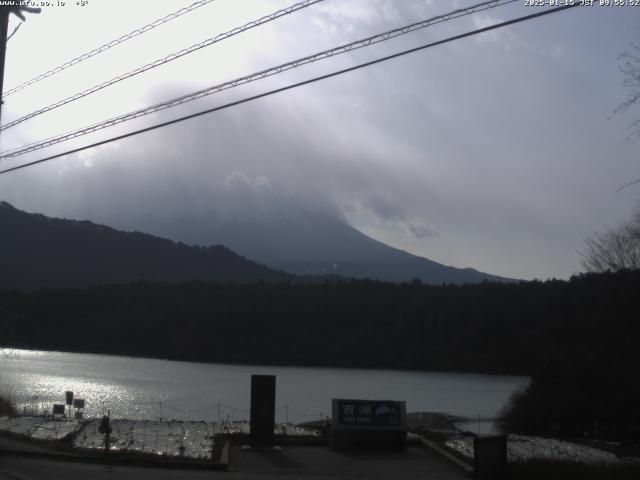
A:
[365, 42]
[292, 86]
[161, 61]
[107, 46]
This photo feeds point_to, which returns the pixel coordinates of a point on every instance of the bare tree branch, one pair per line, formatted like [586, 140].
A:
[622, 187]
[616, 249]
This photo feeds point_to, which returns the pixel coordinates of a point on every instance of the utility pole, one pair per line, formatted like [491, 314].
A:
[4, 30]
[5, 10]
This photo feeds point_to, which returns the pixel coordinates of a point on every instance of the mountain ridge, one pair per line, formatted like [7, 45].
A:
[37, 251]
[310, 243]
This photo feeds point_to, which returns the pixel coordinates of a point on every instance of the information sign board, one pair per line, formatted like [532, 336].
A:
[370, 413]
[368, 423]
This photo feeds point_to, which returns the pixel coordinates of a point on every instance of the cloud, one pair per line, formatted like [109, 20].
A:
[360, 12]
[238, 180]
[422, 230]
[383, 205]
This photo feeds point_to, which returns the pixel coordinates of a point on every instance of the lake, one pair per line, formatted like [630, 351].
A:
[139, 388]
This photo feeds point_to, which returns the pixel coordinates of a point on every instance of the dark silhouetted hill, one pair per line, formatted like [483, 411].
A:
[41, 252]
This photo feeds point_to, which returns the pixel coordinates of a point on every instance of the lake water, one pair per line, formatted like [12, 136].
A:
[139, 388]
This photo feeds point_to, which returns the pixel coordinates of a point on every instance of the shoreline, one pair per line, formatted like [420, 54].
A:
[275, 365]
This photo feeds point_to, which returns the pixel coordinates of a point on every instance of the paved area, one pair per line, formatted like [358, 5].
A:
[23, 445]
[305, 463]
[20, 468]
[322, 462]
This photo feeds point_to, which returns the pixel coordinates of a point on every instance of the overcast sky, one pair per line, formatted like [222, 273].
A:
[495, 152]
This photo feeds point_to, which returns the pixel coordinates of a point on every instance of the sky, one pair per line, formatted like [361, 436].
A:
[497, 152]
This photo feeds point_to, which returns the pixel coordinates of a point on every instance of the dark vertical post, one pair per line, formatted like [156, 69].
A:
[263, 410]
[4, 30]
[69, 398]
[490, 457]
[105, 428]
[17, 8]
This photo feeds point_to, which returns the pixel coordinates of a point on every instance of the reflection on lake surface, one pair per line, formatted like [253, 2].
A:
[139, 388]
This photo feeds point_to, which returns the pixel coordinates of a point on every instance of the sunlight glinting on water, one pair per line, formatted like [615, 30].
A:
[138, 388]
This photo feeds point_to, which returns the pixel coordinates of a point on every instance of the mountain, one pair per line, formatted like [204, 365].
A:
[302, 242]
[41, 252]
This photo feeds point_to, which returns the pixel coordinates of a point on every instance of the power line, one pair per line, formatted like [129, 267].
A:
[15, 30]
[294, 85]
[107, 46]
[161, 61]
[366, 42]
[10, 152]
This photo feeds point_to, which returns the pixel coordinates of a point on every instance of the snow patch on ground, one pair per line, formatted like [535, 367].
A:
[170, 438]
[286, 429]
[522, 448]
[39, 427]
[174, 438]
